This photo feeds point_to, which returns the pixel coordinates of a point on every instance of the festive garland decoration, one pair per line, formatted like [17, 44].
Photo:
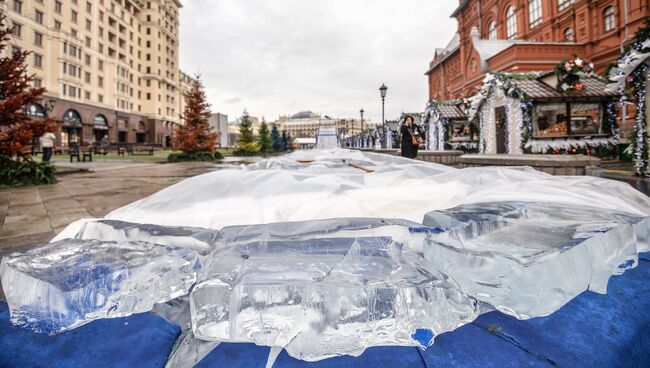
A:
[504, 81]
[569, 72]
[630, 78]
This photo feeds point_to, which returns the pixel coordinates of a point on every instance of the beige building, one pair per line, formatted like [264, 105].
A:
[305, 124]
[110, 67]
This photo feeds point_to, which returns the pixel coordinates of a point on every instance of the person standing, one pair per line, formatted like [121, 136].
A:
[47, 145]
[411, 137]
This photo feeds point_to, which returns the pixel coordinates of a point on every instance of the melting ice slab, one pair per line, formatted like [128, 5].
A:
[65, 284]
[529, 259]
[324, 288]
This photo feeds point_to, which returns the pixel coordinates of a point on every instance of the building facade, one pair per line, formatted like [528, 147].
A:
[219, 125]
[305, 124]
[530, 35]
[110, 67]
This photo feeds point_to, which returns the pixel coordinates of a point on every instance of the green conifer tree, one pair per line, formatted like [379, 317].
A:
[264, 138]
[246, 145]
[278, 144]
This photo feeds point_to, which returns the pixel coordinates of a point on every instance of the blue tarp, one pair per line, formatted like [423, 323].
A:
[592, 330]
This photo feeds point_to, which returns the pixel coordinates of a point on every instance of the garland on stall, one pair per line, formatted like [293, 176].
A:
[570, 71]
[630, 78]
[505, 81]
[640, 139]
[431, 116]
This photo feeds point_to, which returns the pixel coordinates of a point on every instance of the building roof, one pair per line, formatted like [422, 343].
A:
[450, 111]
[304, 115]
[450, 49]
[537, 89]
[460, 7]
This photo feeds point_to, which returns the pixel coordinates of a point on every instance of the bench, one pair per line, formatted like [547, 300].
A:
[139, 151]
[81, 156]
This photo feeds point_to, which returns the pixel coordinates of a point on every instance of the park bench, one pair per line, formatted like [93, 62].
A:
[81, 154]
[140, 150]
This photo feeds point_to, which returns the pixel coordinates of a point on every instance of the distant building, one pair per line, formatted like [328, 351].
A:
[219, 125]
[111, 68]
[305, 125]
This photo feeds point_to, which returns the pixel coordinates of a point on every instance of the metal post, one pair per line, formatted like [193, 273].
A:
[383, 125]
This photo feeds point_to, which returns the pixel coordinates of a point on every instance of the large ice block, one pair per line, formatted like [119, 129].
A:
[68, 283]
[324, 288]
[195, 238]
[528, 259]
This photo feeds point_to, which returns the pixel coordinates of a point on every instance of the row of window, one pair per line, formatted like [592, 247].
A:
[535, 19]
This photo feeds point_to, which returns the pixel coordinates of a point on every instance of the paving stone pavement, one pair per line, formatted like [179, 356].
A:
[31, 216]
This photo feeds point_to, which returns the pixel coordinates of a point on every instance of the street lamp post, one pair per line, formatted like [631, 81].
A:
[361, 111]
[382, 91]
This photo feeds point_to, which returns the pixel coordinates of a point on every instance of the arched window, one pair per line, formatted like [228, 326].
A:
[610, 19]
[71, 118]
[492, 30]
[569, 35]
[534, 13]
[511, 23]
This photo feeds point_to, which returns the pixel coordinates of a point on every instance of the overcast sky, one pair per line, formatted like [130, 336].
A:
[275, 57]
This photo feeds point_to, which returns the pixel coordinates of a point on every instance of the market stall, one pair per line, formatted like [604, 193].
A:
[546, 113]
[448, 127]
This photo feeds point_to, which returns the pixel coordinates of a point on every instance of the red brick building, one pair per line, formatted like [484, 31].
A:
[530, 35]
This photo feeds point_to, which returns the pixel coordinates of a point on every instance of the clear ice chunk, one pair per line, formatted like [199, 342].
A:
[529, 259]
[198, 239]
[68, 283]
[324, 288]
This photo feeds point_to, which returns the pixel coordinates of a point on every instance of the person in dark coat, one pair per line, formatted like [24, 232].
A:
[409, 130]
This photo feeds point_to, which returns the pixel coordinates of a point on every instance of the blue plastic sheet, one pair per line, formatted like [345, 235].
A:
[592, 330]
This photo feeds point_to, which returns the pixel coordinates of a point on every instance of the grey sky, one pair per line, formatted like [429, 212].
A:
[277, 57]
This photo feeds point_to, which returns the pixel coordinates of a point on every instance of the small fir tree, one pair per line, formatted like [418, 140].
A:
[278, 145]
[196, 135]
[246, 144]
[264, 138]
[17, 129]
[288, 146]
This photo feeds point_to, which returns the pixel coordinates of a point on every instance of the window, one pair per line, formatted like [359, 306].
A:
[511, 23]
[100, 64]
[58, 7]
[100, 98]
[88, 58]
[492, 30]
[18, 6]
[534, 12]
[569, 35]
[462, 131]
[38, 16]
[550, 120]
[57, 25]
[38, 39]
[100, 81]
[37, 83]
[38, 60]
[563, 4]
[88, 42]
[610, 19]
[89, 24]
[585, 118]
[18, 30]
[73, 16]
[89, 7]
[87, 77]
[87, 95]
